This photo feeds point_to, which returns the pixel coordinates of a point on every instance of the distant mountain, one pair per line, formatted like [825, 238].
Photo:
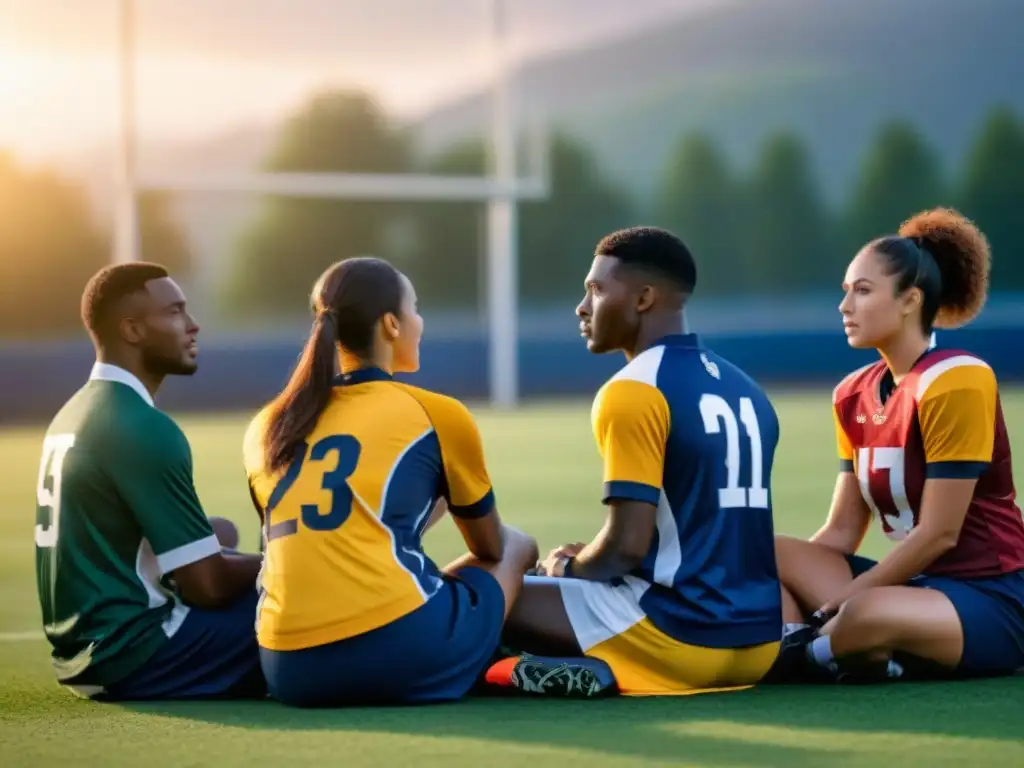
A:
[831, 70]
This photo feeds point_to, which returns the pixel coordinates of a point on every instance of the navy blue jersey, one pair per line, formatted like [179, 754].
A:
[683, 429]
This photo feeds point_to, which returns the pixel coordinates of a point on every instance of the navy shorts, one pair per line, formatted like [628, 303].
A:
[214, 654]
[991, 612]
[436, 653]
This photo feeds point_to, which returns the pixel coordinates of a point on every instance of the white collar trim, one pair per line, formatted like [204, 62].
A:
[108, 372]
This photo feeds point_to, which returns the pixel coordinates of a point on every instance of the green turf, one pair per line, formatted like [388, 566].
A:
[547, 476]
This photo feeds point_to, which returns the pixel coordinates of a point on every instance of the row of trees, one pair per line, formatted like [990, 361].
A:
[50, 244]
[772, 231]
[768, 230]
[443, 242]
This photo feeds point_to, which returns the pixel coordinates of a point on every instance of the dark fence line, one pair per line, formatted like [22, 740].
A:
[36, 379]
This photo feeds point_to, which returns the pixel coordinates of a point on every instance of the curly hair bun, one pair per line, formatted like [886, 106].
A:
[964, 258]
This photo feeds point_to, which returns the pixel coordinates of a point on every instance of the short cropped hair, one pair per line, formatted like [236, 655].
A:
[655, 250]
[111, 284]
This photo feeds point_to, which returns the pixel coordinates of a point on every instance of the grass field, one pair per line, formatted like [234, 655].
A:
[547, 478]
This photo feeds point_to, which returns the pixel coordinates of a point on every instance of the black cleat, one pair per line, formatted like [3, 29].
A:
[794, 665]
[871, 673]
[548, 676]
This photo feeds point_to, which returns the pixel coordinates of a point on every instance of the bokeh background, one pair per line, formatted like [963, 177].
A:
[775, 136]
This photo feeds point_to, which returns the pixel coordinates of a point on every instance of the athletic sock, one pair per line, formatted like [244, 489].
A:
[790, 628]
[819, 651]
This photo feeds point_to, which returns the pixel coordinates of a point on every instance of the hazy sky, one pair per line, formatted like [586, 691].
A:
[208, 65]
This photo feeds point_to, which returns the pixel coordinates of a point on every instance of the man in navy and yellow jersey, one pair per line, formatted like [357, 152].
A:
[138, 600]
[678, 593]
[347, 474]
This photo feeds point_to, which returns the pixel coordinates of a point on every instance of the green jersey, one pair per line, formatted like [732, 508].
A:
[116, 512]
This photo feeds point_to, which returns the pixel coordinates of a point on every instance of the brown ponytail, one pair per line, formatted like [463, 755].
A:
[348, 300]
[294, 413]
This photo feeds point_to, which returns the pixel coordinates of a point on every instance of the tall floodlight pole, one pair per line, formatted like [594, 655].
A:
[126, 224]
[502, 283]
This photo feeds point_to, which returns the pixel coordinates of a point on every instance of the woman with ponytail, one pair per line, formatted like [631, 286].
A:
[923, 447]
[347, 472]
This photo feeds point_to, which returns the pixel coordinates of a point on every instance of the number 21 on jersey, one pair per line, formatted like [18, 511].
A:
[716, 412]
[51, 467]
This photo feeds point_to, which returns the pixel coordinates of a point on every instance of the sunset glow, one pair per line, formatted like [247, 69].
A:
[204, 70]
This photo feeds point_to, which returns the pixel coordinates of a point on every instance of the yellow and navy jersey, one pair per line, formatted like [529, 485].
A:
[690, 433]
[343, 522]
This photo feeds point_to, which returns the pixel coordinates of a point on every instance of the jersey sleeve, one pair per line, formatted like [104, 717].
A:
[844, 447]
[154, 475]
[631, 424]
[957, 413]
[468, 488]
[252, 462]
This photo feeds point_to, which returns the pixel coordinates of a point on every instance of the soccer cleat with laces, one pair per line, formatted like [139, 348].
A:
[548, 676]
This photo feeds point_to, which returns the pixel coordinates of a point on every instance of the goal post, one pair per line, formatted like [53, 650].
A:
[501, 190]
[397, 187]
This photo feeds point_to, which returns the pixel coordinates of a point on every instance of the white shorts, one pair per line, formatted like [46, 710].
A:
[610, 625]
[598, 611]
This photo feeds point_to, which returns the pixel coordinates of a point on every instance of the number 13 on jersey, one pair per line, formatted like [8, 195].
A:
[895, 510]
[716, 412]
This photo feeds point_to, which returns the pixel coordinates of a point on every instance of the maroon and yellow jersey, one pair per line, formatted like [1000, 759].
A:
[943, 420]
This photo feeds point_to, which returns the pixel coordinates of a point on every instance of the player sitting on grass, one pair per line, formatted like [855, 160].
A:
[678, 592]
[922, 445]
[137, 597]
[346, 472]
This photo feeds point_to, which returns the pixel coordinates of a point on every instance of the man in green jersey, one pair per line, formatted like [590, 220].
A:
[139, 600]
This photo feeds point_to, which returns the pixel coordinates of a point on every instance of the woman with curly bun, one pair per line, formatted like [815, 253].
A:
[923, 447]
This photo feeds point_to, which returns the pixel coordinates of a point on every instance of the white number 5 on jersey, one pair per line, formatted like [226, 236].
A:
[55, 449]
[715, 411]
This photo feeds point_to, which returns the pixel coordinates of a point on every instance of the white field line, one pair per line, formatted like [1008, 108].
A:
[21, 637]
